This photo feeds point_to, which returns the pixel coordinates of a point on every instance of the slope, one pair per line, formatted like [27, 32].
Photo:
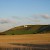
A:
[30, 29]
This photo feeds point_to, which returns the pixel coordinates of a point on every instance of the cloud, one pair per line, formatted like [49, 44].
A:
[5, 21]
[46, 16]
[15, 17]
[2, 21]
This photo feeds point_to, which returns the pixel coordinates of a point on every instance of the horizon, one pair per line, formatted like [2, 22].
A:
[23, 12]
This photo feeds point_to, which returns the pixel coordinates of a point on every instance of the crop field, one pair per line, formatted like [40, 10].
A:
[25, 42]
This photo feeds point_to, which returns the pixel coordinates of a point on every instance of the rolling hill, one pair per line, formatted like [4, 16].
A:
[27, 29]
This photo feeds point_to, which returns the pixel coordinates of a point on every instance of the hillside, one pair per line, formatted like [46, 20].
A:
[28, 29]
[44, 29]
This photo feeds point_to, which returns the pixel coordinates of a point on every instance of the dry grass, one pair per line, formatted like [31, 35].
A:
[5, 40]
[29, 38]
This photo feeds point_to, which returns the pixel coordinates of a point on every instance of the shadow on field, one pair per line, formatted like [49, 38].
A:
[27, 47]
[33, 46]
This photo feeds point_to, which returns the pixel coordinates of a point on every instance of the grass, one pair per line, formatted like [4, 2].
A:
[31, 29]
[25, 41]
[29, 38]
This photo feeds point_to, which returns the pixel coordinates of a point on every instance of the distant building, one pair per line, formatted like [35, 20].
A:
[25, 26]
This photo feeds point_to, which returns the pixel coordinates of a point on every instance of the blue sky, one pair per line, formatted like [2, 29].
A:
[21, 12]
[23, 7]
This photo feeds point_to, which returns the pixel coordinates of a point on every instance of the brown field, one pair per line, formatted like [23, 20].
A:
[39, 41]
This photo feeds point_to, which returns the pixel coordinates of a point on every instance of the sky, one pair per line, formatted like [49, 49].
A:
[23, 12]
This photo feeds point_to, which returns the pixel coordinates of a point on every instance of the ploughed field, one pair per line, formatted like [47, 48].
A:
[25, 42]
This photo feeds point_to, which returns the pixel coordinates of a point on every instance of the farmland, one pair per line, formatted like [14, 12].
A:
[24, 41]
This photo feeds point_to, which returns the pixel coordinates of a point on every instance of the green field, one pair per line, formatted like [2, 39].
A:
[30, 29]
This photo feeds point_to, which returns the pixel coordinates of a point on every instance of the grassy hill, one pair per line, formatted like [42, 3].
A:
[44, 29]
[30, 29]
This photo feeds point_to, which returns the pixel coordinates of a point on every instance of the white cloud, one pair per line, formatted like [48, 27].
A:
[6, 20]
[7, 23]
[46, 16]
